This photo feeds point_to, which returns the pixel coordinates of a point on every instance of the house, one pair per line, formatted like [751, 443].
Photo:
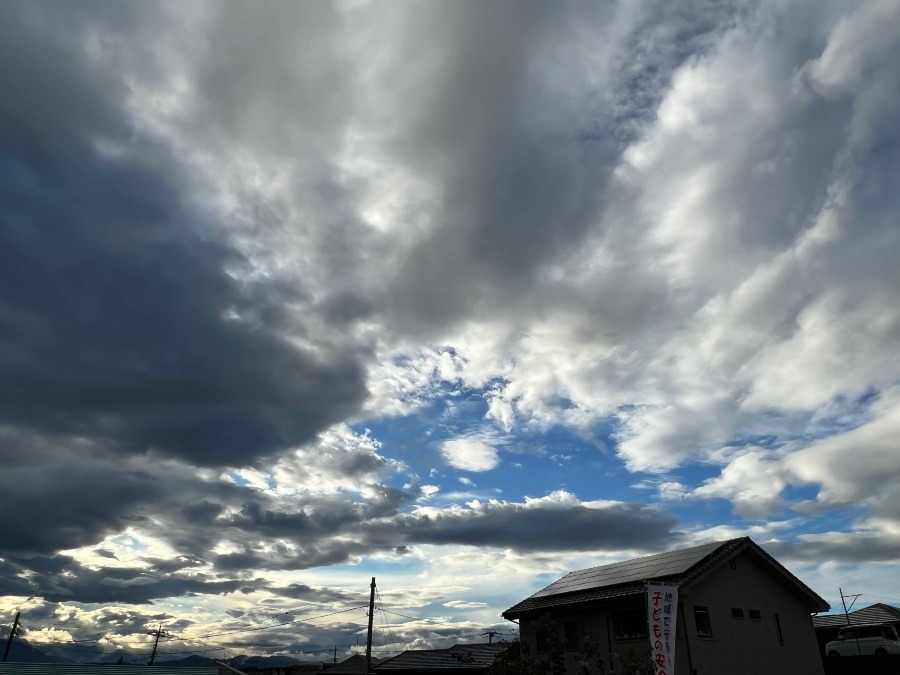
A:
[465, 659]
[827, 626]
[355, 664]
[739, 611]
[282, 669]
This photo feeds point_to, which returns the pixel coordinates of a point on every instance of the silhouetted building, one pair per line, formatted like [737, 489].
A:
[739, 611]
[466, 659]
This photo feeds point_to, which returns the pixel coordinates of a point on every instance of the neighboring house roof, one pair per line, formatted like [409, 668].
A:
[11, 668]
[225, 669]
[457, 657]
[680, 567]
[877, 613]
[352, 665]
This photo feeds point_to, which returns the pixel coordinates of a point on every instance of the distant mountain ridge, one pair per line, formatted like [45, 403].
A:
[22, 652]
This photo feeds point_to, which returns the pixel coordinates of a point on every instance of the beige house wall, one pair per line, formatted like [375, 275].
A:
[737, 643]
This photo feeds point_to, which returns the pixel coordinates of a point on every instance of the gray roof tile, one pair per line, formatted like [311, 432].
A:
[877, 613]
[628, 578]
[651, 567]
[624, 578]
[464, 656]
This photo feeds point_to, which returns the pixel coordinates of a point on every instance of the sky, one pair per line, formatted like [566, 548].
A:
[457, 295]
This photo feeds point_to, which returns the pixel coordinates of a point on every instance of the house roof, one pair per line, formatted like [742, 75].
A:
[877, 613]
[628, 578]
[354, 664]
[458, 657]
[10, 668]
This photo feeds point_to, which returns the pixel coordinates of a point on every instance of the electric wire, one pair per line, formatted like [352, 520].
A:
[284, 623]
[383, 618]
[414, 618]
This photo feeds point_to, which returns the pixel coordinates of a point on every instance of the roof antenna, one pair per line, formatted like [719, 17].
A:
[844, 603]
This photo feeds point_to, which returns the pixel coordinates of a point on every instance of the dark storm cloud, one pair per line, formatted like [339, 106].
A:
[93, 498]
[328, 518]
[170, 566]
[201, 513]
[304, 592]
[304, 555]
[336, 534]
[62, 579]
[848, 547]
[316, 517]
[69, 504]
[118, 320]
[271, 532]
[553, 528]
[64, 494]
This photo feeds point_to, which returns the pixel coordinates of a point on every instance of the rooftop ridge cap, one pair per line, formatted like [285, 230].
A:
[653, 555]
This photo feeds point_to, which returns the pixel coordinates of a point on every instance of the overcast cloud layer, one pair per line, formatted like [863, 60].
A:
[293, 294]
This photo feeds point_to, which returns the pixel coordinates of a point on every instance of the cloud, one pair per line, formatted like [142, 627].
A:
[124, 319]
[61, 579]
[89, 499]
[470, 454]
[752, 481]
[429, 490]
[867, 546]
[553, 524]
[857, 466]
[254, 272]
[464, 604]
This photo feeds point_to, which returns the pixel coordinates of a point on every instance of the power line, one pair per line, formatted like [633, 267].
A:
[223, 649]
[384, 623]
[414, 618]
[159, 633]
[285, 623]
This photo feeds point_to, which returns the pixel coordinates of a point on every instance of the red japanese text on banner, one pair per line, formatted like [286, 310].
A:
[662, 612]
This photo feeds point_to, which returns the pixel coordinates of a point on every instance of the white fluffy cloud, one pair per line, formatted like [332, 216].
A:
[470, 454]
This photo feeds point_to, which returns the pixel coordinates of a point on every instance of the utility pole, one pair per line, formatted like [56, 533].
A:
[847, 614]
[844, 603]
[159, 632]
[14, 631]
[369, 635]
[491, 633]
[335, 654]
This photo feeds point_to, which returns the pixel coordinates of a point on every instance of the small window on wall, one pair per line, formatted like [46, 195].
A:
[778, 633]
[754, 615]
[574, 633]
[701, 620]
[629, 625]
[737, 613]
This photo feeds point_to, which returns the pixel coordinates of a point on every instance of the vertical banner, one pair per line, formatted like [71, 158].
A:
[662, 610]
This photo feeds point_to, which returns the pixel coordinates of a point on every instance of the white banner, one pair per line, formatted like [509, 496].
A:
[662, 612]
